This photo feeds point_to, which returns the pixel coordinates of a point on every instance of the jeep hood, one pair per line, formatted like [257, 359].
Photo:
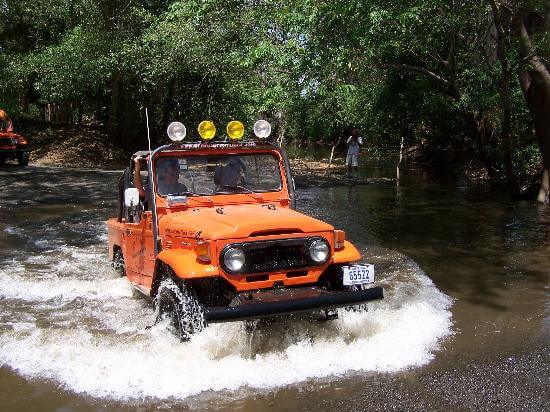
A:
[233, 222]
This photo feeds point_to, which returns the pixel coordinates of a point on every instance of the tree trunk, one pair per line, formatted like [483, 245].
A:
[27, 93]
[482, 131]
[80, 112]
[333, 149]
[535, 83]
[55, 107]
[544, 191]
[280, 127]
[168, 104]
[505, 100]
[25, 101]
[506, 132]
[65, 112]
[112, 124]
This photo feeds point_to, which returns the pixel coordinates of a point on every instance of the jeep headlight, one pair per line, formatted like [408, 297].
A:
[319, 251]
[233, 259]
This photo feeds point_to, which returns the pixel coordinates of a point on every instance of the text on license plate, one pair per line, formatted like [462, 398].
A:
[358, 274]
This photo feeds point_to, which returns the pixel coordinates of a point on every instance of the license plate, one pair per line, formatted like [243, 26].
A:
[358, 274]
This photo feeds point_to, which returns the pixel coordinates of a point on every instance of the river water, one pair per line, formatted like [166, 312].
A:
[465, 272]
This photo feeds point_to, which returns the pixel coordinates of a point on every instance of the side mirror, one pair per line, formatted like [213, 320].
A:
[131, 197]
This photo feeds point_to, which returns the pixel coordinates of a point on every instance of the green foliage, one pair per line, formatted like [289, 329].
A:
[527, 161]
[419, 69]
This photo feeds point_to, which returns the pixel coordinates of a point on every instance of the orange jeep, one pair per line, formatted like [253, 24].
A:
[12, 146]
[209, 231]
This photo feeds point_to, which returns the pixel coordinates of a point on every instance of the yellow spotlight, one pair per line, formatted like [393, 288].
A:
[235, 130]
[207, 130]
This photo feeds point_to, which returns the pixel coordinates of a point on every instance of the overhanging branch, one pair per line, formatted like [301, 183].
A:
[448, 86]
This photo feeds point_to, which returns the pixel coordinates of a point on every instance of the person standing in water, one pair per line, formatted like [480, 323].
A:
[352, 159]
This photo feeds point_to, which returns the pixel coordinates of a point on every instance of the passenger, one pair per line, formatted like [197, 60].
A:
[231, 175]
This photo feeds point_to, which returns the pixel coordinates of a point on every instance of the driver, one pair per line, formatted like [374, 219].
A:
[168, 174]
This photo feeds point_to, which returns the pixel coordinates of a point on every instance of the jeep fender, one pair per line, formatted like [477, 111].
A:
[186, 264]
[348, 253]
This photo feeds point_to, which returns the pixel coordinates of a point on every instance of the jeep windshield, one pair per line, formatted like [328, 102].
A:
[218, 174]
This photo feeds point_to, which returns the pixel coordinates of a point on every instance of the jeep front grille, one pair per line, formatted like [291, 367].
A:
[276, 257]
[273, 255]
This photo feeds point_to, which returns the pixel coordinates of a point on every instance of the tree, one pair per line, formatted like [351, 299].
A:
[534, 78]
[502, 41]
[437, 73]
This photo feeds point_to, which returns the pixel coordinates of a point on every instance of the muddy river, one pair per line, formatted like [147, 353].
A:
[465, 323]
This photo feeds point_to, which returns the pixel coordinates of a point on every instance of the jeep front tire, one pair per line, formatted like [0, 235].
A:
[179, 304]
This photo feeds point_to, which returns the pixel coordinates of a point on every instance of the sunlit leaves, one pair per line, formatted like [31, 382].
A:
[316, 68]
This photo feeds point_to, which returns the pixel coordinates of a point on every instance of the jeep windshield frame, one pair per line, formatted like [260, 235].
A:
[213, 174]
[185, 147]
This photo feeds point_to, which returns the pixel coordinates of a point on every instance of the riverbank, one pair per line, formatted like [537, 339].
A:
[90, 147]
[74, 147]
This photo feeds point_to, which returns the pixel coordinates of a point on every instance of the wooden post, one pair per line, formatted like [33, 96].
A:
[543, 195]
[400, 156]
[334, 148]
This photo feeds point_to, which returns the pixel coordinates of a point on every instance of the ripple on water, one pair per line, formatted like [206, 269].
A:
[108, 352]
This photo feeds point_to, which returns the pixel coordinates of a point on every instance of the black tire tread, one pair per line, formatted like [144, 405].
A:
[187, 315]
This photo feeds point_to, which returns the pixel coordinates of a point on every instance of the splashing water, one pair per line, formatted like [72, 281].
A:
[66, 317]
